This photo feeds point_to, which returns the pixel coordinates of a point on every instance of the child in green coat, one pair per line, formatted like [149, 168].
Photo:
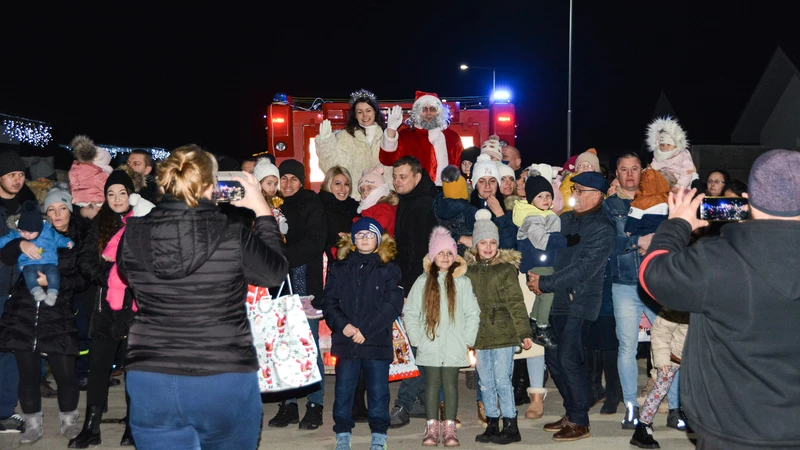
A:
[441, 317]
[504, 326]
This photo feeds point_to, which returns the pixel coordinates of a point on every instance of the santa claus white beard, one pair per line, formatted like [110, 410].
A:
[429, 125]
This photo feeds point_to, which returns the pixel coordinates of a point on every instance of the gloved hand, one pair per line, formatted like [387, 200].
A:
[395, 118]
[325, 129]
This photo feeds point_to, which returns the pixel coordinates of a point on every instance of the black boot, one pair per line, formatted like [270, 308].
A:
[127, 436]
[492, 430]
[90, 434]
[313, 418]
[520, 382]
[544, 337]
[643, 436]
[509, 434]
[287, 413]
[360, 412]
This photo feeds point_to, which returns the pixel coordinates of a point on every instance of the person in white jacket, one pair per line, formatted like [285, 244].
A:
[358, 145]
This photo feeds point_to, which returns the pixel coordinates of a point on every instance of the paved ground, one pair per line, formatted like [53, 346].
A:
[606, 430]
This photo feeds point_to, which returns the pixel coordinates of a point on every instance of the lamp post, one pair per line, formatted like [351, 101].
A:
[569, 88]
[465, 67]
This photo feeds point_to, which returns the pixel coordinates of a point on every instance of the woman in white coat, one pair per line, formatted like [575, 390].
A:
[357, 146]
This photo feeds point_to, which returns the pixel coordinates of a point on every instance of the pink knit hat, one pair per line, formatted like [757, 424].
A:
[441, 240]
[372, 176]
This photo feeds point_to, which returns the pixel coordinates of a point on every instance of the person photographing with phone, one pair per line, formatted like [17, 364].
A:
[740, 384]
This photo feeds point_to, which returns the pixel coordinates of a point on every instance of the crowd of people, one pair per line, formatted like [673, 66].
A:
[142, 261]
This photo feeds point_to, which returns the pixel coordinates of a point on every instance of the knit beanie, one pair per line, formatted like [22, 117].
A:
[42, 169]
[470, 154]
[57, 194]
[484, 227]
[30, 219]
[265, 168]
[589, 156]
[119, 177]
[293, 167]
[10, 161]
[493, 148]
[453, 184]
[441, 240]
[372, 176]
[366, 224]
[535, 185]
[485, 167]
[506, 171]
[774, 183]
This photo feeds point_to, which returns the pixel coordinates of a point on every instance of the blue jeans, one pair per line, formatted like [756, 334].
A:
[30, 272]
[628, 309]
[376, 376]
[673, 396]
[173, 412]
[412, 389]
[318, 394]
[495, 367]
[566, 366]
[536, 371]
[9, 375]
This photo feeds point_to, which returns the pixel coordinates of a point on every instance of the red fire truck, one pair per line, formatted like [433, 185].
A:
[293, 123]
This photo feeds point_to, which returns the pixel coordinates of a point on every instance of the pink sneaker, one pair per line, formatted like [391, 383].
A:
[431, 438]
[449, 438]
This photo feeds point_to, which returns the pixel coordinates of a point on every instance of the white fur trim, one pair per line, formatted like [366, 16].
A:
[141, 207]
[538, 391]
[389, 144]
[669, 126]
[427, 100]
[373, 197]
[436, 138]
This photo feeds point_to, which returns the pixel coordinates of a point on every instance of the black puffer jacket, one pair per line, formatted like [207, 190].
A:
[189, 270]
[578, 278]
[35, 327]
[415, 220]
[305, 241]
[105, 323]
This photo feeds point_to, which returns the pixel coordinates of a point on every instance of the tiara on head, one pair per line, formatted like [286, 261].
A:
[362, 93]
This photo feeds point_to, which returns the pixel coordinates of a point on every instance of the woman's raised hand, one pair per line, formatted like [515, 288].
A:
[325, 129]
[253, 200]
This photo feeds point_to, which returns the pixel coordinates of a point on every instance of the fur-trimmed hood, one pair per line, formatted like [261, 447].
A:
[392, 199]
[460, 270]
[504, 255]
[139, 180]
[387, 249]
[671, 127]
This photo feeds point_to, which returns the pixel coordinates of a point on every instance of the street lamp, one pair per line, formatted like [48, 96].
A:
[465, 67]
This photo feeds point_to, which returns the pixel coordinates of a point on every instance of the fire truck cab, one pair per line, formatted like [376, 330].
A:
[291, 126]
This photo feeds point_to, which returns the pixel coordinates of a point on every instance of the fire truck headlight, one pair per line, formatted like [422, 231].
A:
[280, 146]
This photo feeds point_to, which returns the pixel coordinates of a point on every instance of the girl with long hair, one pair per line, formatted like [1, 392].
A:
[441, 318]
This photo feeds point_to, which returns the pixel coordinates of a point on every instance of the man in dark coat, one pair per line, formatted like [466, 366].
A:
[415, 220]
[578, 287]
[740, 385]
[13, 193]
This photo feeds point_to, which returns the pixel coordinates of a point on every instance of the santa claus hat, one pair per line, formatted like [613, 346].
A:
[426, 98]
[493, 147]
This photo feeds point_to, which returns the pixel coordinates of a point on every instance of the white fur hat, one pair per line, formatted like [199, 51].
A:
[485, 167]
[546, 170]
[493, 148]
[666, 130]
[265, 168]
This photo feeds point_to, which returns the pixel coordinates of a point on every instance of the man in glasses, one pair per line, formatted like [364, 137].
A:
[428, 137]
[578, 287]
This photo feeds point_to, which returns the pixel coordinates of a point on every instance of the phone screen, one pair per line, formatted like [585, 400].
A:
[228, 189]
[723, 209]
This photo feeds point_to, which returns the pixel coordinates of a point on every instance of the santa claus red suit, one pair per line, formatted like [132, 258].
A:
[426, 136]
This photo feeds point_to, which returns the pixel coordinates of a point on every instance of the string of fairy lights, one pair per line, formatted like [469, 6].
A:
[158, 154]
[27, 131]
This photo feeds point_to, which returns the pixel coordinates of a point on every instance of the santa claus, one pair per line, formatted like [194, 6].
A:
[427, 136]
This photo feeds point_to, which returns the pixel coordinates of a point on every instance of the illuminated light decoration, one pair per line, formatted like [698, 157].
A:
[158, 154]
[27, 131]
[313, 161]
[278, 120]
[467, 141]
[504, 119]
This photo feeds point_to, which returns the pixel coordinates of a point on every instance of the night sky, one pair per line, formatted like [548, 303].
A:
[168, 75]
